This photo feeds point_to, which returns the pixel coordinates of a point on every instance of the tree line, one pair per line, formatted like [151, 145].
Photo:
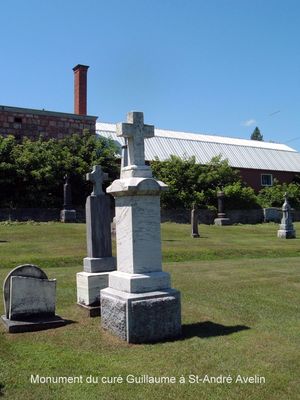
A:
[32, 175]
[190, 183]
[32, 171]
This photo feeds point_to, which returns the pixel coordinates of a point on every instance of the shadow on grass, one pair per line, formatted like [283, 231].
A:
[67, 322]
[203, 330]
[209, 329]
[35, 324]
[3, 241]
[1, 389]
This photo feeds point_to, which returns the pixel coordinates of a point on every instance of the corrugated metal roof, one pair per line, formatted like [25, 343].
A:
[241, 153]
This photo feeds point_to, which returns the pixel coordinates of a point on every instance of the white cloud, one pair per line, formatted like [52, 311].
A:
[249, 122]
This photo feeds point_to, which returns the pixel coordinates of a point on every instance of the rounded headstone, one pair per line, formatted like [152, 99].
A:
[26, 270]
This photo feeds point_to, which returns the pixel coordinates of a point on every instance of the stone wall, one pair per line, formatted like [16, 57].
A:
[36, 214]
[255, 216]
[207, 216]
[33, 123]
[180, 216]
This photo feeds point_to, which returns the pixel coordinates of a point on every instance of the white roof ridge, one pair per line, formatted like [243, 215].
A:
[201, 137]
[208, 138]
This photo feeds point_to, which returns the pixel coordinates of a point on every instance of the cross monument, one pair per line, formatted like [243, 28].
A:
[99, 260]
[139, 304]
[97, 177]
[135, 131]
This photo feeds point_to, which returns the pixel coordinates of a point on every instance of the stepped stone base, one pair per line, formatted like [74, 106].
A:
[68, 216]
[90, 311]
[32, 324]
[141, 318]
[222, 221]
[286, 234]
[139, 283]
[89, 286]
[99, 264]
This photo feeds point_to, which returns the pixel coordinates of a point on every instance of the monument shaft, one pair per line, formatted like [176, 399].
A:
[139, 305]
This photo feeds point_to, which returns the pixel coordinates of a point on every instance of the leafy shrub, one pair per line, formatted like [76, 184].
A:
[190, 182]
[32, 171]
[273, 196]
[240, 197]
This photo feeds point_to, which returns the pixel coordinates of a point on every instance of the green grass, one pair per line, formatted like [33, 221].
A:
[240, 309]
[54, 244]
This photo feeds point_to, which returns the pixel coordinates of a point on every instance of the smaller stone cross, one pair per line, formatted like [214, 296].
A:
[97, 177]
[135, 131]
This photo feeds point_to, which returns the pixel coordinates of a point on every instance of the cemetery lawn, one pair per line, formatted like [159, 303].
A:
[240, 313]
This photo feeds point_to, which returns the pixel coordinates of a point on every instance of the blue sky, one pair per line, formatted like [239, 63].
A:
[217, 67]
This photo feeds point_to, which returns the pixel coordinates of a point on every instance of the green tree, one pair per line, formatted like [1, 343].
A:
[273, 196]
[214, 176]
[7, 170]
[181, 176]
[32, 171]
[239, 196]
[190, 182]
[256, 135]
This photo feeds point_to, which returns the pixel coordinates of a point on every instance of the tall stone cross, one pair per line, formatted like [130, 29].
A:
[97, 177]
[135, 131]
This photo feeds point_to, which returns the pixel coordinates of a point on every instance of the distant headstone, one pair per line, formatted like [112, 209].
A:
[29, 300]
[194, 222]
[286, 228]
[99, 258]
[68, 214]
[139, 305]
[221, 219]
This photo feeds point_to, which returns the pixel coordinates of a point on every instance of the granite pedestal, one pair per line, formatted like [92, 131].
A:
[221, 221]
[68, 216]
[141, 317]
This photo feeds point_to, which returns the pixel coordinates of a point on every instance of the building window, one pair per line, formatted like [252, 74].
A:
[266, 180]
[18, 120]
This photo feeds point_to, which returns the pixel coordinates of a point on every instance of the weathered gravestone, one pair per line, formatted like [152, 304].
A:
[67, 214]
[194, 222]
[139, 304]
[29, 300]
[98, 233]
[221, 219]
[286, 228]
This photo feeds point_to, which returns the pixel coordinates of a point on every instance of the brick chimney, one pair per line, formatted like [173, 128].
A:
[80, 89]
